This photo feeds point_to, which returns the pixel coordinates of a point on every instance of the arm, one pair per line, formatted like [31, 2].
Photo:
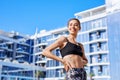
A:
[48, 50]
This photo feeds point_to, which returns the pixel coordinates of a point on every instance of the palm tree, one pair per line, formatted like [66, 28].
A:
[91, 75]
[39, 74]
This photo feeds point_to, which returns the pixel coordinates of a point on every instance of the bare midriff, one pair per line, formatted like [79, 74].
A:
[74, 60]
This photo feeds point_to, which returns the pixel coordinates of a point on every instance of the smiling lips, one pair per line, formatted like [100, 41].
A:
[73, 29]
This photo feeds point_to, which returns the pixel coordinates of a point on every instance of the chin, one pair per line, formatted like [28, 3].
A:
[72, 32]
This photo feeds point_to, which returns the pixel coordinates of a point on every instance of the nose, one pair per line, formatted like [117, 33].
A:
[73, 26]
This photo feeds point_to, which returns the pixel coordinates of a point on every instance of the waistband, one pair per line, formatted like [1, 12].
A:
[77, 69]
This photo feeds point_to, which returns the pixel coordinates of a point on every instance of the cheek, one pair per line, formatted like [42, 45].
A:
[69, 28]
[73, 28]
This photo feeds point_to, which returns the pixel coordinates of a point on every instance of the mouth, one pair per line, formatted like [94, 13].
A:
[73, 29]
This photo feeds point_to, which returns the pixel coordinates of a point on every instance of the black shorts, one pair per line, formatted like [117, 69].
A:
[76, 74]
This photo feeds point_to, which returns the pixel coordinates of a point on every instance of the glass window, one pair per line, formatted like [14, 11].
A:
[100, 70]
[43, 39]
[104, 46]
[104, 22]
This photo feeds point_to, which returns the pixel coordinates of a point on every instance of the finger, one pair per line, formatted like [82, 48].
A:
[66, 68]
[69, 65]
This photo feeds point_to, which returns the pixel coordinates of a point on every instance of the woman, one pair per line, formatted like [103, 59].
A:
[73, 56]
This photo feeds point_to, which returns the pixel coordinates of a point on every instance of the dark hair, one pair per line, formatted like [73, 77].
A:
[76, 20]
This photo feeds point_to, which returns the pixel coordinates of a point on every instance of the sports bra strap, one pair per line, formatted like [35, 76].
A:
[67, 39]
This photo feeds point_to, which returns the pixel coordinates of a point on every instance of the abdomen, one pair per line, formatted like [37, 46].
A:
[74, 60]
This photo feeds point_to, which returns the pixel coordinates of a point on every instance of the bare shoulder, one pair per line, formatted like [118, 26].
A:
[58, 43]
[62, 39]
[80, 44]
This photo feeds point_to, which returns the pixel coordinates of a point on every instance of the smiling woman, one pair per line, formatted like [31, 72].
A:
[73, 56]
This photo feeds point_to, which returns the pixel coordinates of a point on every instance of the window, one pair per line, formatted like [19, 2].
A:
[99, 57]
[98, 46]
[98, 34]
[92, 36]
[92, 47]
[100, 70]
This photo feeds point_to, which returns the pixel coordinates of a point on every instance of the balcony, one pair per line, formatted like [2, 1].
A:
[101, 77]
[98, 64]
[20, 50]
[5, 47]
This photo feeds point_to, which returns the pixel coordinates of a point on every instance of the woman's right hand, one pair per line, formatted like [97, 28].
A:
[67, 65]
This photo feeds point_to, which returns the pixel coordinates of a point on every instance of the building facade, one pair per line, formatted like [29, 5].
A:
[16, 57]
[113, 13]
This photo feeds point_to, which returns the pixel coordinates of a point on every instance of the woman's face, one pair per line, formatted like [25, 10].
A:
[73, 27]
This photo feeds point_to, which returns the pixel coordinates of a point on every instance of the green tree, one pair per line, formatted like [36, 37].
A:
[91, 75]
[39, 74]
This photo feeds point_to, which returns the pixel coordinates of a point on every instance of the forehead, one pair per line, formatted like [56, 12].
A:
[73, 21]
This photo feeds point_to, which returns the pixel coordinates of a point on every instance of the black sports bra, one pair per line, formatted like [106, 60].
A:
[71, 48]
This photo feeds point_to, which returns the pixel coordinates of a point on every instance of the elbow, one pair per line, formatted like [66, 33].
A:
[86, 61]
[44, 52]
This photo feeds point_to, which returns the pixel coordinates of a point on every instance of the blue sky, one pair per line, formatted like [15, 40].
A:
[24, 16]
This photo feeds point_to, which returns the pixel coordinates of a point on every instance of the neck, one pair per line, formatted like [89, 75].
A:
[73, 37]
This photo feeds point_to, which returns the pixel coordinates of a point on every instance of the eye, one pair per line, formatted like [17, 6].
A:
[70, 24]
[76, 25]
